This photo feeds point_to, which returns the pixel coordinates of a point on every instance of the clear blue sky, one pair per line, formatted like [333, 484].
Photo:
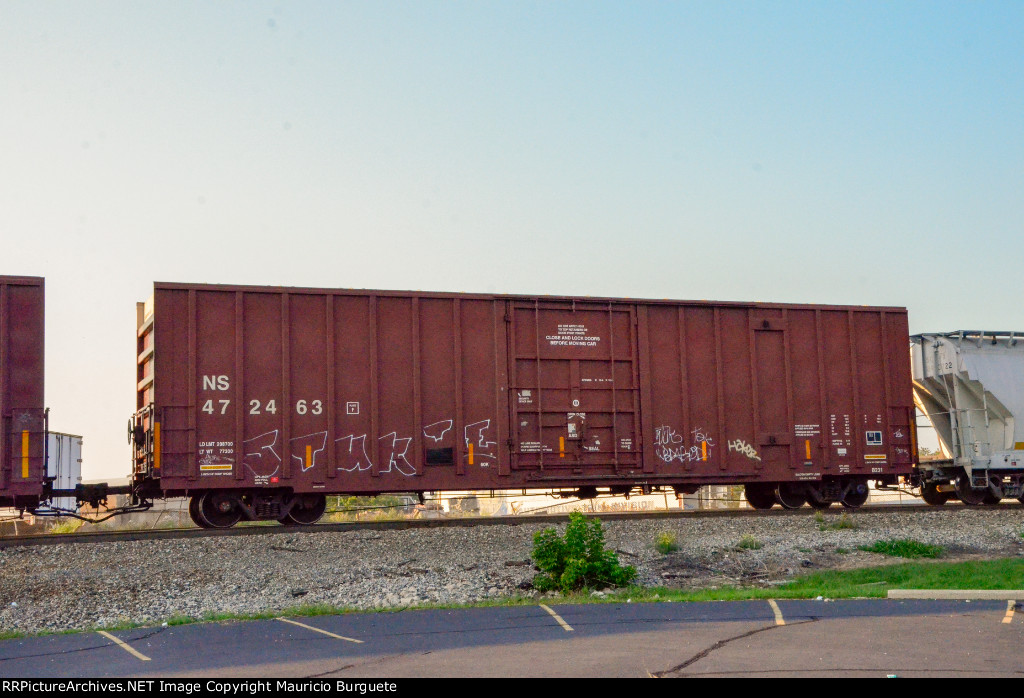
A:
[828, 152]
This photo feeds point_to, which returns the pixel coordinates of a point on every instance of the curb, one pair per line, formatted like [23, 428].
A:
[958, 594]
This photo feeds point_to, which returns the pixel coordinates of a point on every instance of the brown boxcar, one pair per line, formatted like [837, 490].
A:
[23, 435]
[259, 401]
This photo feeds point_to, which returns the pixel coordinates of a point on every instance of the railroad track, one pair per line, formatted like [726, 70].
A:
[404, 524]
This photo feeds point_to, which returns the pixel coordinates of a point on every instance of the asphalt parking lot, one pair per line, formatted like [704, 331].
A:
[743, 638]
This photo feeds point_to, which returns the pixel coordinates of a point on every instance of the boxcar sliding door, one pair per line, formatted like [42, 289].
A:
[575, 397]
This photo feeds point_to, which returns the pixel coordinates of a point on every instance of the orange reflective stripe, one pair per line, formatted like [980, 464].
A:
[156, 445]
[24, 454]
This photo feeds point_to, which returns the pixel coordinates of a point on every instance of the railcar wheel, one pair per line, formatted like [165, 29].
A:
[759, 496]
[308, 509]
[930, 494]
[856, 495]
[791, 495]
[219, 509]
[967, 494]
[194, 514]
[991, 498]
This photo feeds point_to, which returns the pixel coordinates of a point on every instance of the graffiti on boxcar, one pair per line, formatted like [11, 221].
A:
[304, 449]
[481, 450]
[669, 445]
[356, 452]
[741, 446]
[437, 430]
[397, 459]
[259, 455]
[358, 459]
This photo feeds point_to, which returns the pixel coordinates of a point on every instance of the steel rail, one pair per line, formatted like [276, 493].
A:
[249, 529]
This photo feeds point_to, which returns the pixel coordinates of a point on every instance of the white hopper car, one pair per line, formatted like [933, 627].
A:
[970, 385]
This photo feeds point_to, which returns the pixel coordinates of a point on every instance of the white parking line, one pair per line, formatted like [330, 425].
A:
[1008, 618]
[318, 630]
[124, 645]
[566, 626]
[778, 614]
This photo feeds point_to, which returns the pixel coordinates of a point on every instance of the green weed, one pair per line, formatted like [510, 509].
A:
[66, 526]
[748, 542]
[903, 548]
[666, 543]
[843, 522]
[579, 561]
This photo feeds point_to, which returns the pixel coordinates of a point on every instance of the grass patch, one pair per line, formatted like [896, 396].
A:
[903, 548]
[748, 542]
[872, 582]
[181, 620]
[66, 526]
[666, 543]
[843, 522]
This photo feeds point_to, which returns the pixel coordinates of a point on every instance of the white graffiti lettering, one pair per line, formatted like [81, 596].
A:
[396, 448]
[741, 446]
[397, 459]
[315, 443]
[476, 434]
[357, 458]
[670, 446]
[437, 430]
[259, 455]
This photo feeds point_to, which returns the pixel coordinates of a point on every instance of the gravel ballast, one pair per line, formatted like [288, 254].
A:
[95, 585]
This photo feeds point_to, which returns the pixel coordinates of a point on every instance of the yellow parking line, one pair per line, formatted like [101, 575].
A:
[318, 630]
[124, 645]
[1008, 618]
[566, 626]
[778, 614]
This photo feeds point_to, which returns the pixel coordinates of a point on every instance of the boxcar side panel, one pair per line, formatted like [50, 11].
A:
[778, 394]
[22, 413]
[809, 398]
[366, 391]
[334, 391]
